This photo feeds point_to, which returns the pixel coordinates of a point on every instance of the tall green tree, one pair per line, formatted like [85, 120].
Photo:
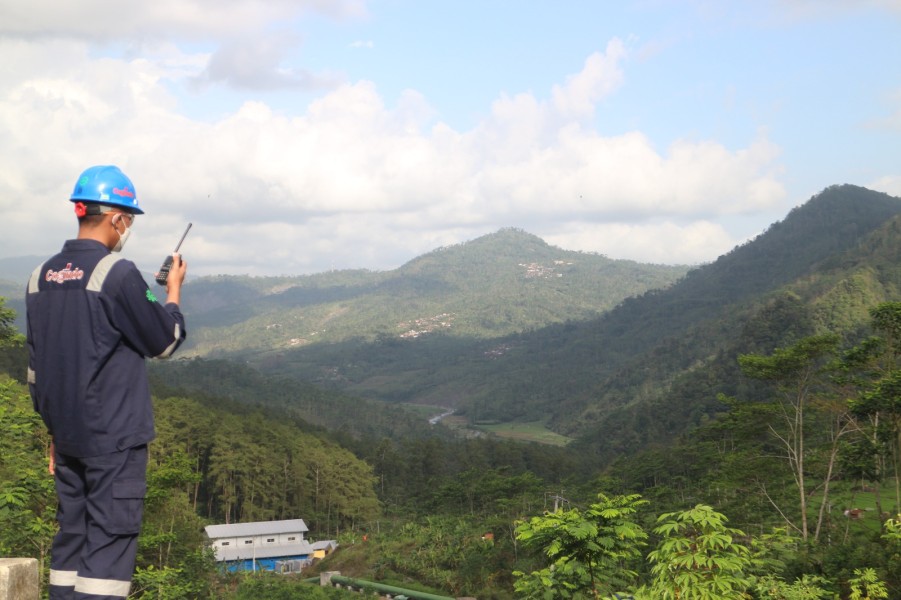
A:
[865, 585]
[799, 374]
[698, 558]
[13, 356]
[879, 401]
[248, 466]
[8, 335]
[591, 551]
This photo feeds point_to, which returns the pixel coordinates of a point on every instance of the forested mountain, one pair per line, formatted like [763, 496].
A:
[507, 328]
[313, 407]
[495, 285]
[652, 366]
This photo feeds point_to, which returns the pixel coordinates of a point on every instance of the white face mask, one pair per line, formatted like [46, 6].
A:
[123, 237]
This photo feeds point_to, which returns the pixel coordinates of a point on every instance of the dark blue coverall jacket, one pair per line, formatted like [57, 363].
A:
[92, 320]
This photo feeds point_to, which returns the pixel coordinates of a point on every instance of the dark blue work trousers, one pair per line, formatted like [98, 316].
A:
[101, 503]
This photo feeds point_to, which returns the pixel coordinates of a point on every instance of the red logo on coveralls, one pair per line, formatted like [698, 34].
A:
[64, 275]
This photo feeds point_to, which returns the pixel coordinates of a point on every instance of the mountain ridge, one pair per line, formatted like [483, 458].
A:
[540, 345]
[494, 285]
[588, 376]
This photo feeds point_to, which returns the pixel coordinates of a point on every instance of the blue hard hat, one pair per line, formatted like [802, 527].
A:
[106, 184]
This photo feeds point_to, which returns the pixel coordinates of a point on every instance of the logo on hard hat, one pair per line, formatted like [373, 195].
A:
[123, 192]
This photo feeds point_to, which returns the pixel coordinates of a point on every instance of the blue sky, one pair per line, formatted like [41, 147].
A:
[306, 135]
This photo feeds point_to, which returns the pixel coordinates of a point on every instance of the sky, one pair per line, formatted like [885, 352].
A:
[301, 136]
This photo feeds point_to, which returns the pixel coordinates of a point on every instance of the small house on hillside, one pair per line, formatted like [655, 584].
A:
[262, 546]
[323, 548]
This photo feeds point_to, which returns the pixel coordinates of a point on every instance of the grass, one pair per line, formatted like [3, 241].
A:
[534, 431]
[426, 411]
[848, 495]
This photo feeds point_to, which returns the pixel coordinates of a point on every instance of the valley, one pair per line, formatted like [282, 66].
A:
[487, 402]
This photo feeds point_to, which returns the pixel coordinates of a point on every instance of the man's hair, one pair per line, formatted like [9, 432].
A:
[90, 220]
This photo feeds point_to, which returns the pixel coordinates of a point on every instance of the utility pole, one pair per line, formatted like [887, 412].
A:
[558, 500]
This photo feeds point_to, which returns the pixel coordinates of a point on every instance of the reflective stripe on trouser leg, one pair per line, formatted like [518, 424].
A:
[108, 587]
[100, 507]
[115, 503]
[63, 578]
[65, 554]
[88, 587]
[62, 585]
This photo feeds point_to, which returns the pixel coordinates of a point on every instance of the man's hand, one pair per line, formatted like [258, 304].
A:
[176, 278]
[52, 467]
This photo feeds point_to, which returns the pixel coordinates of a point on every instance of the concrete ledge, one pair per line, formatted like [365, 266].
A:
[19, 579]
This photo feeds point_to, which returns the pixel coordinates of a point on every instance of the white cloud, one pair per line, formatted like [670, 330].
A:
[100, 21]
[348, 181]
[833, 8]
[600, 76]
[890, 184]
[661, 243]
[256, 64]
[250, 52]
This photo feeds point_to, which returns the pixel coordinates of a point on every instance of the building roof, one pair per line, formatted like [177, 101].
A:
[257, 528]
[255, 551]
[324, 544]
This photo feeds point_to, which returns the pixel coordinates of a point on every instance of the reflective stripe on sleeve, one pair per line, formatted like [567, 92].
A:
[34, 279]
[168, 351]
[32, 378]
[102, 587]
[98, 275]
[63, 578]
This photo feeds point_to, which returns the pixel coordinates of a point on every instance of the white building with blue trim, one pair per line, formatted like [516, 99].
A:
[261, 546]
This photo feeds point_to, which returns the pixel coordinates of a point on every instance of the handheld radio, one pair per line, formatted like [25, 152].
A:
[163, 275]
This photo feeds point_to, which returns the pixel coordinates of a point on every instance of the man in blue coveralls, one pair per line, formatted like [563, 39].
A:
[92, 320]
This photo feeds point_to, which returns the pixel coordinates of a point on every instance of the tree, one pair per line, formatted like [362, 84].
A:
[798, 373]
[27, 498]
[698, 558]
[873, 369]
[589, 552]
[892, 538]
[9, 337]
[865, 585]
[13, 355]
[883, 404]
[807, 587]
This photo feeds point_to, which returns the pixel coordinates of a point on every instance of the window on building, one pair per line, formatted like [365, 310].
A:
[226, 543]
[270, 540]
[292, 538]
[248, 541]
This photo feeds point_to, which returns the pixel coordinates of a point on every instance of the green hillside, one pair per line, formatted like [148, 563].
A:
[635, 373]
[506, 328]
[502, 283]
[821, 269]
[688, 412]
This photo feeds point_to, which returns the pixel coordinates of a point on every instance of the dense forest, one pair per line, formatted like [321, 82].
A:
[735, 435]
[836, 256]
[808, 477]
